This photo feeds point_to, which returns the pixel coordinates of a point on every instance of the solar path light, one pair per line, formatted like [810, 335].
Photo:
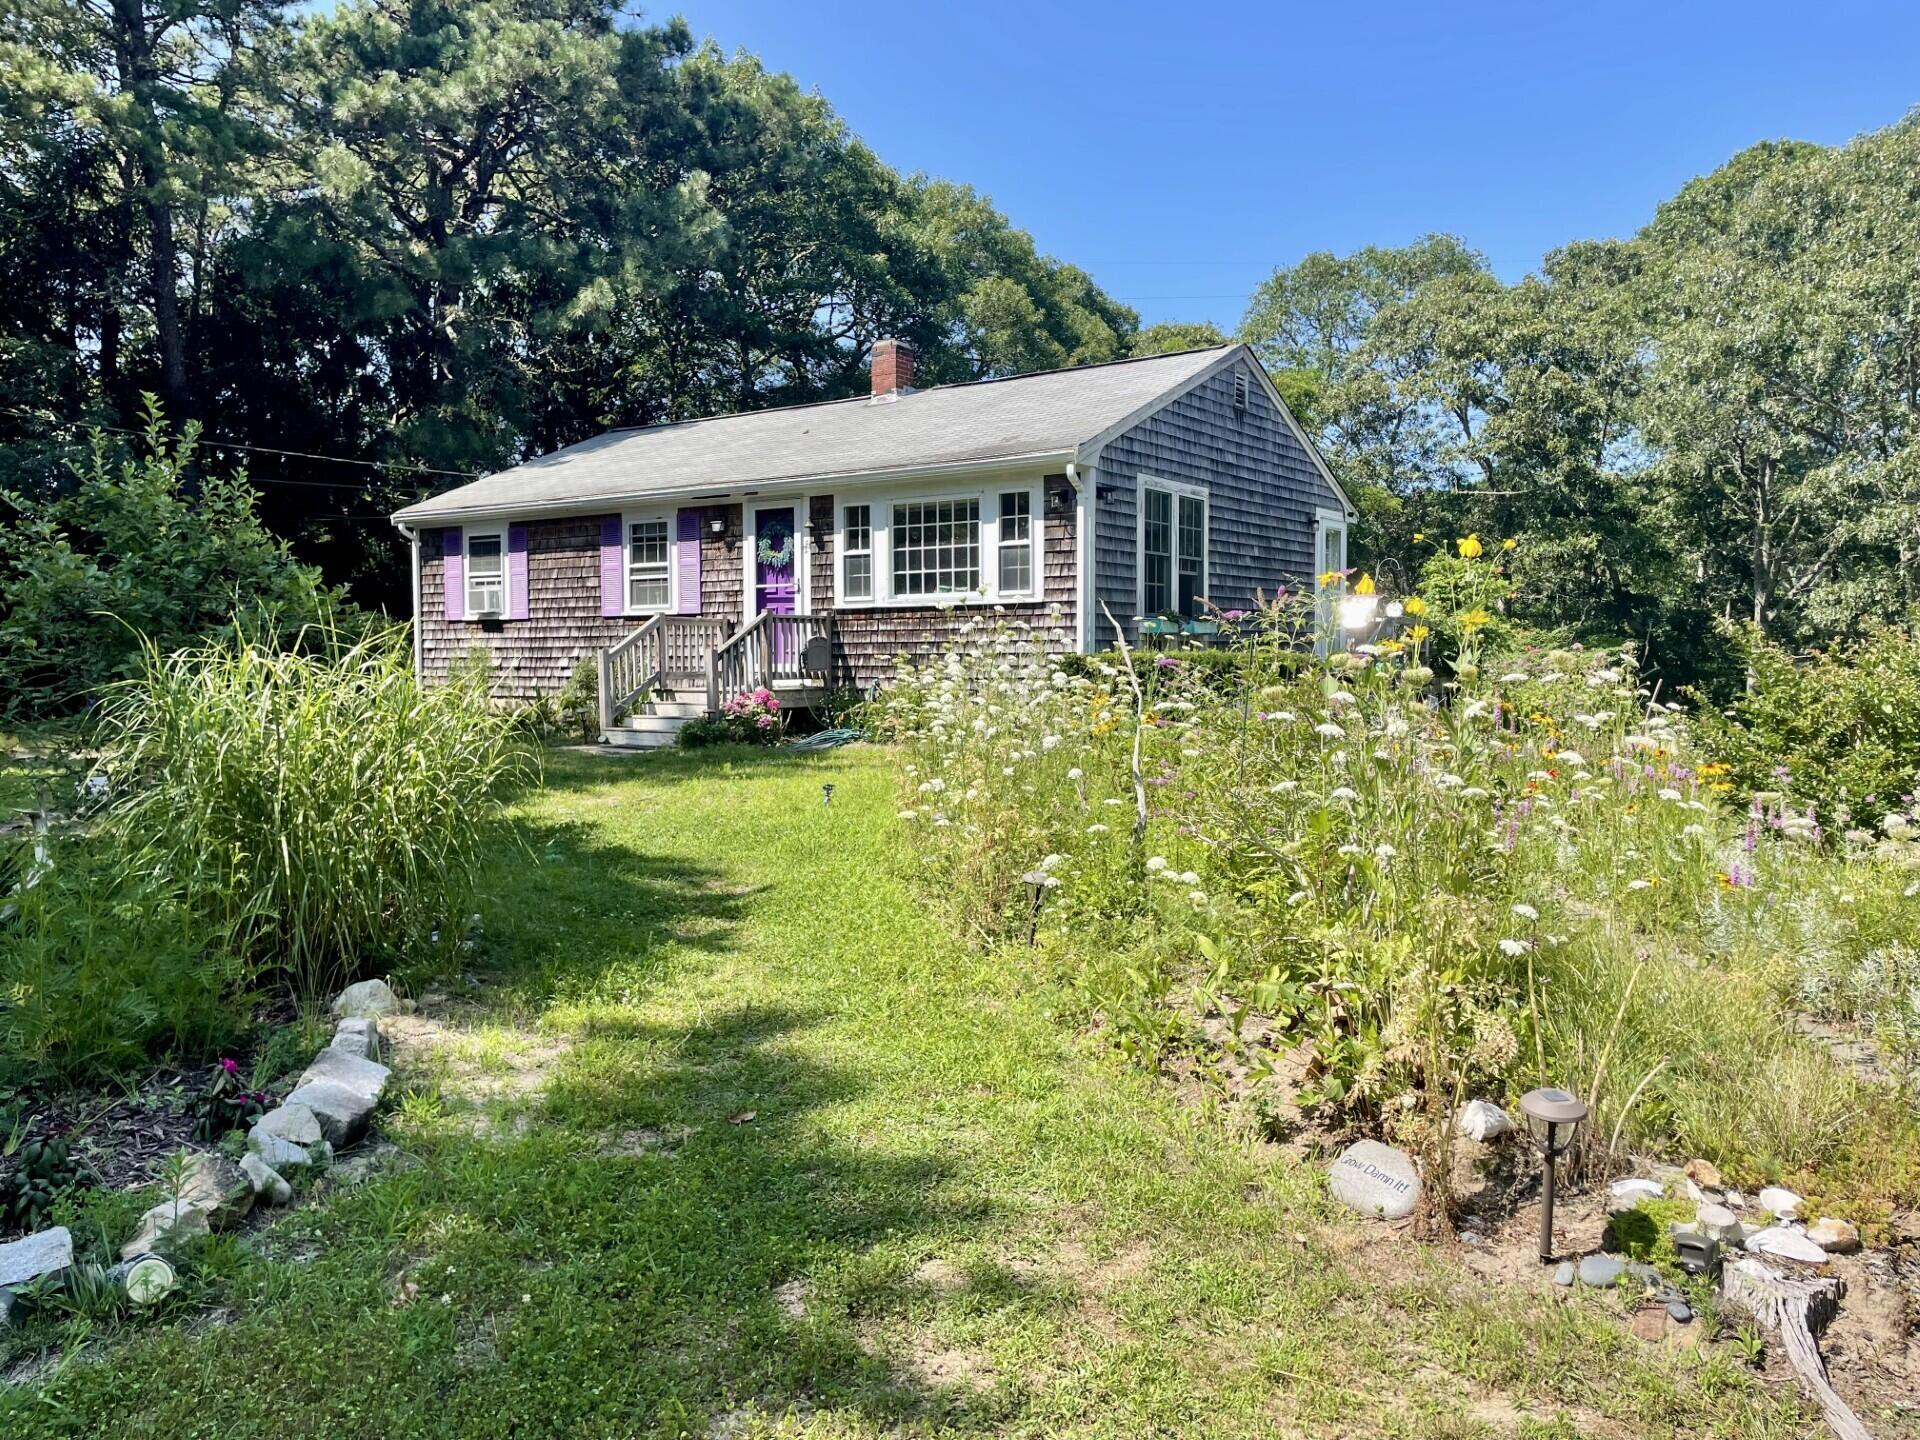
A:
[1553, 1119]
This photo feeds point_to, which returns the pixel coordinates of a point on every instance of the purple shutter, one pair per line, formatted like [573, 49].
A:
[613, 600]
[687, 558]
[453, 572]
[516, 572]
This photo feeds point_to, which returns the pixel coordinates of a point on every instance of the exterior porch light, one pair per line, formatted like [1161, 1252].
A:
[1553, 1119]
[717, 524]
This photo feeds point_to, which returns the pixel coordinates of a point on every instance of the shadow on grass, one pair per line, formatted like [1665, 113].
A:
[564, 770]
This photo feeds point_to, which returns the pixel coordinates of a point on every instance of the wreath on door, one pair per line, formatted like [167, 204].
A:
[776, 546]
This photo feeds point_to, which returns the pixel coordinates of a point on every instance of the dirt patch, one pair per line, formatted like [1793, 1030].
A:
[939, 1276]
[469, 1055]
[938, 1367]
[792, 1297]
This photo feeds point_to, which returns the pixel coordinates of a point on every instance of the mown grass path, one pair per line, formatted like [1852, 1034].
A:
[736, 1141]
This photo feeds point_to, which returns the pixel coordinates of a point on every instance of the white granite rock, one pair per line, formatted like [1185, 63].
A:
[289, 1139]
[371, 998]
[47, 1253]
[341, 1090]
[166, 1228]
[1719, 1223]
[216, 1185]
[269, 1186]
[358, 1035]
[1375, 1179]
[1482, 1120]
[1776, 1200]
[1785, 1243]
[1624, 1195]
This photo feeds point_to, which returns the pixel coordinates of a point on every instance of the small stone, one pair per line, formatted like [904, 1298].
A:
[1680, 1311]
[1703, 1173]
[1649, 1323]
[285, 1138]
[1781, 1202]
[369, 998]
[167, 1227]
[6, 1307]
[1482, 1120]
[269, 1186]
[1786, 1244]
[1834, 1235]
[1375, 1179]
[1563, 1274]
[358, 1035]
[216, 1185]
[1646, 1274]
[46, 1253]
[1735, 1200]
[1624, 1195]
[1720, 1223]
[1601, 1271]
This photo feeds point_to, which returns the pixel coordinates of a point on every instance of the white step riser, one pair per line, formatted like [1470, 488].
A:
[642, 739]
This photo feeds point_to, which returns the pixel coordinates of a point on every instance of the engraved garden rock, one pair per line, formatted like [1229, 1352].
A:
[341, 1090]
[1375, 1179]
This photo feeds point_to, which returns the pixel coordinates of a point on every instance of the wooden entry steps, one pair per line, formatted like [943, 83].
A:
[676, 667]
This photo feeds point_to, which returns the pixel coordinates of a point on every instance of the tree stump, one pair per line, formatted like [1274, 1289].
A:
[1796, 1308]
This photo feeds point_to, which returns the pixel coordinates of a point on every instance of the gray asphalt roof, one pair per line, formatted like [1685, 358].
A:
[1047, 413]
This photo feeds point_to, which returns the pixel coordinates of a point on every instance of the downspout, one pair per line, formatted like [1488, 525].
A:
[1084, 499]
[413, 539]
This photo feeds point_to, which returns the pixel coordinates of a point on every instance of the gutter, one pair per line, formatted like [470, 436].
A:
[413, 540]
[1085, 500]
[796, 484]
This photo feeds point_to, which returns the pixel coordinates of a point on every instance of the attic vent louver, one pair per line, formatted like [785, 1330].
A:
[1239, 389]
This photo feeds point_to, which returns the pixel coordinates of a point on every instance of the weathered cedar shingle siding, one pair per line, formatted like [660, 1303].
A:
[564, 625]
[868, 640]
[1262, 491]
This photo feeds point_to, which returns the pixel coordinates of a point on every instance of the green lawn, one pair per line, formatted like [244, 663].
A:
[949, 1213]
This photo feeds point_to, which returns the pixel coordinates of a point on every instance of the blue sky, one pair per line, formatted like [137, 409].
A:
[1180, 152]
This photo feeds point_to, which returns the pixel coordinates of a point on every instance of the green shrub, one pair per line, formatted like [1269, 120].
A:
[105, 965]
[1841, 729]
[324, 809]
[131, 553]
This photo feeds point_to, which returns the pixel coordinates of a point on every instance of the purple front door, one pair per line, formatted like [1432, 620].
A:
[776, 561]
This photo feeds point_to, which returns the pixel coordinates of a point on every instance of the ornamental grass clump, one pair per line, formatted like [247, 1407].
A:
[323, 808]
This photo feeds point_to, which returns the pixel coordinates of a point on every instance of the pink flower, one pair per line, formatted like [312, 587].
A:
[232, 1067]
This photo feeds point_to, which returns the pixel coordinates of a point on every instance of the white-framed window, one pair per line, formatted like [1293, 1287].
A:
[856, 552]
[1015, 547]
[486, 573]
[649, 544]
[1329, 558]
[935, 546]
[1173, 547]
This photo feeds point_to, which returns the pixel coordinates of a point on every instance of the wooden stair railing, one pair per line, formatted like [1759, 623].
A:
[771, 647]
[666, 647]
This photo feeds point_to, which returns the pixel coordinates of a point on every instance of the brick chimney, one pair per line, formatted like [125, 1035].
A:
[892, 368]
